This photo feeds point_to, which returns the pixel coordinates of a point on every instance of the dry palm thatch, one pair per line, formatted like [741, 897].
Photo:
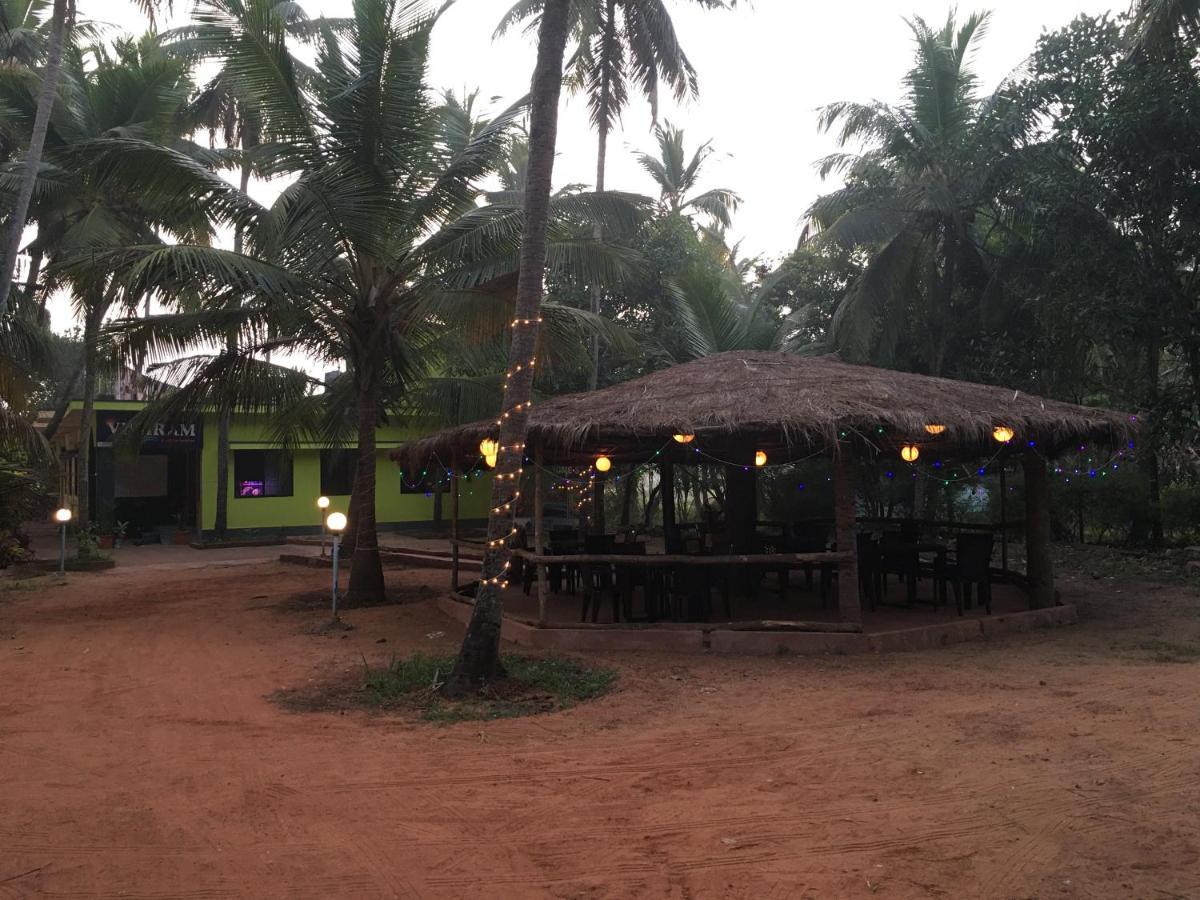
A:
[788, 403]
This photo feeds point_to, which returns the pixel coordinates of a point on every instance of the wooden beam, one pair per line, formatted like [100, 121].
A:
[539, 538]
[666, 475]
[677, 559]
[1004, 517]
[845, 508]
[1039, 566]
[741, 499]
[599, 523]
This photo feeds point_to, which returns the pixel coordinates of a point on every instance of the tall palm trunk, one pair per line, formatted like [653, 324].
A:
[91, 344]
[479, 658]
[610, 38]
[221, 510]
[366, 570]
[63, 10]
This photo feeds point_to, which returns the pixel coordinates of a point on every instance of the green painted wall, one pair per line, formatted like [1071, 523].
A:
[300, 510]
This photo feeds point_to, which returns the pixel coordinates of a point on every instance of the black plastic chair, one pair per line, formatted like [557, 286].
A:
[870, 572]
[972, 565]
[563, 542]
[597, 578]
[899, 556]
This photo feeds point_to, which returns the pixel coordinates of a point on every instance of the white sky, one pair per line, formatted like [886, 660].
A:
[764, 71]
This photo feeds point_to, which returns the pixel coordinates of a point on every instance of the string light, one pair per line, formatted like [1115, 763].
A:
[934, 428]
[760, 458]
[1003, 434]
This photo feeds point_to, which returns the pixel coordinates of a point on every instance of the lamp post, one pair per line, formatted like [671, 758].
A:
[322, 505]
[62, 517]
[335, 523]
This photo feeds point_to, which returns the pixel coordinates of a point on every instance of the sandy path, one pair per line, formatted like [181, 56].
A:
[140, 757]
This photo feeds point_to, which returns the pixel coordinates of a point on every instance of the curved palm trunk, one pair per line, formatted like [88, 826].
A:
[479, 658]
[91, 342]
[610, 36]
[37, 140]
[366, 570]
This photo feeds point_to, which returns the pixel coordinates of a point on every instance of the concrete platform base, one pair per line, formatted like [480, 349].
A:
[699, 638]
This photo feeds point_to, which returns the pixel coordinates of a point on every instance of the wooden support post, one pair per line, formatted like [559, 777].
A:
[1004, 519]
[455, 486]
[1039, 567]
[539, 536]
[741, 500]
[666, 475]
[599, 523]
[845, 511]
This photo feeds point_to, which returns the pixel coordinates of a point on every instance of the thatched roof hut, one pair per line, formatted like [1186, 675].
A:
[787, 403]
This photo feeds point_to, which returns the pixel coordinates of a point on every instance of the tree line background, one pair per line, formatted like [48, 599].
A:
[1040, 234]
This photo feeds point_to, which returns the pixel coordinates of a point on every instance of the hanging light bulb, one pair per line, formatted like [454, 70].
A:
[910, 452]
[603, 463]
[933, 428]
[1003, 433]
[490, 450]
[760, 458]
[683, 438]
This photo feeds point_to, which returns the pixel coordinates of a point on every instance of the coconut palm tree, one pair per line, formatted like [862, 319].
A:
[479, 657]
[677, 176]
[375, 248]
[618, 42]
[922, 197]
[225, 108]
[89, 195]
[62, 23]
[1156, 21]
[63, 11]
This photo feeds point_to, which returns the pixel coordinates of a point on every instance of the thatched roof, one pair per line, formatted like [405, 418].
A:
[791, 403]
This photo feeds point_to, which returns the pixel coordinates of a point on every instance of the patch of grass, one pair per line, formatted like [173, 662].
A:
[535, 684]
[1120, 565]
[1172, 651]
[26, 584]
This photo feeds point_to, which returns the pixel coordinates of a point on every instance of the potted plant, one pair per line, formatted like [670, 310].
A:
[105, 537]
[119, 531]
[183, 534]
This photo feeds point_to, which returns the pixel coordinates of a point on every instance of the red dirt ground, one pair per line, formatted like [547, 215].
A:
[142, 757]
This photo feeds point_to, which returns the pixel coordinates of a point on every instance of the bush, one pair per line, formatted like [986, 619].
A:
[14, 548]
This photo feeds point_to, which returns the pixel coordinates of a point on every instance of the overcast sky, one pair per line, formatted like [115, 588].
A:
[764, 72]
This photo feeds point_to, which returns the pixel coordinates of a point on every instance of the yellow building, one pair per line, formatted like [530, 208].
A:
[171, 483]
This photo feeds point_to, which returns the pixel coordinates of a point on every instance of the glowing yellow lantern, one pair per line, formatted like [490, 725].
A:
[490, 450]
[910, 452]
[603, 463]
[935, 429]
[1003, 433]
[760, 458]
[683, 438]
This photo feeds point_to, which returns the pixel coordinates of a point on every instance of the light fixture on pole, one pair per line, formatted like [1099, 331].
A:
[62, 517]
[336, 523]
[322, 505]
